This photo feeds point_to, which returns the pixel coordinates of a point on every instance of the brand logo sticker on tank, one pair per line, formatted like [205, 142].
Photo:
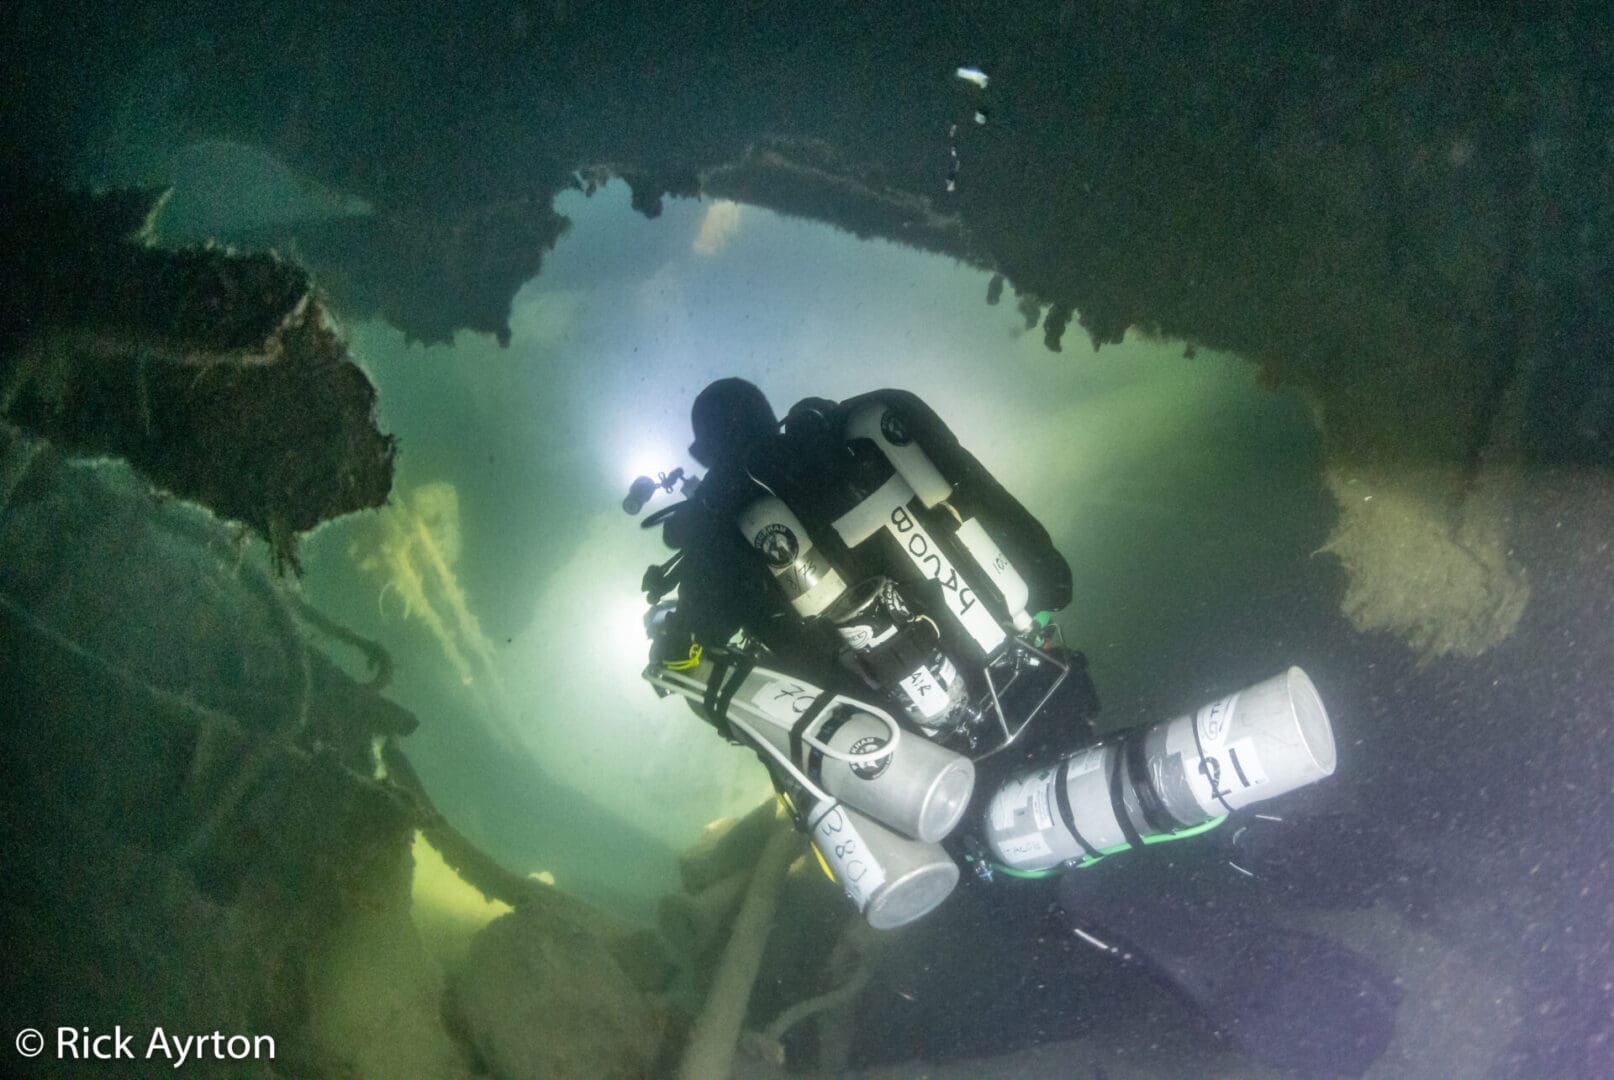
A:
[894, 429]
[856, 637]
[860, 636]
[874, 768]
[777, 544]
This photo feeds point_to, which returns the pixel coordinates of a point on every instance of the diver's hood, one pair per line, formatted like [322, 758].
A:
[728, 417]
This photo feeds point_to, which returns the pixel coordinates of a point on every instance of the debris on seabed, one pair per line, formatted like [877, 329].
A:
[1093, 941]
[972, 75]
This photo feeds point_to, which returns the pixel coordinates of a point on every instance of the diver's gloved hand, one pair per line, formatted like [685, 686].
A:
[670, 636]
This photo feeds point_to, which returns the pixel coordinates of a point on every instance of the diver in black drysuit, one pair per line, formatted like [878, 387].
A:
[1314, 1004]
[724, 584]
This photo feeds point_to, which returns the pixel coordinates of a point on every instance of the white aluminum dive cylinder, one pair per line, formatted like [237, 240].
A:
[873, 616]
[1248, 747]
[918, 788]
[885, 427]
[1011, 586]
[803, 571]
[891, 879]
[921, 789]
[888, 509]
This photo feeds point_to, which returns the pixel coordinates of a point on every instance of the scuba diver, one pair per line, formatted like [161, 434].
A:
[725, 583]
[860, 602]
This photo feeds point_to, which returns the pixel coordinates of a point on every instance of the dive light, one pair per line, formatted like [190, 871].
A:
[644, 488]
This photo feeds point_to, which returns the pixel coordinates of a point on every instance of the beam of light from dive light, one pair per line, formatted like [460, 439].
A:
[649, 453]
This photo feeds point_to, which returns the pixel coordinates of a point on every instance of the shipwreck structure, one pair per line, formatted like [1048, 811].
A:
[1401, 209]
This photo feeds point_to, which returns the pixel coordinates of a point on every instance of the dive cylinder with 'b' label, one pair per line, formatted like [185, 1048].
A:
[884, 426]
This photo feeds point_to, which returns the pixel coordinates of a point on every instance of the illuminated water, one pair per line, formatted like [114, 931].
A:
[1459, 851]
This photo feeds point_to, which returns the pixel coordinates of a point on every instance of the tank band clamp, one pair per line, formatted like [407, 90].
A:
[1129, 830]
[805, 721]
[1062, 800]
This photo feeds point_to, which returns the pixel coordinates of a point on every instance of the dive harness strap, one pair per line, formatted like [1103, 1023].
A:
[714, 686]
[720, 691]
[742, 671]
[1132, 764]
[1062, 800]
[1130, 757]
[1118, 805]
